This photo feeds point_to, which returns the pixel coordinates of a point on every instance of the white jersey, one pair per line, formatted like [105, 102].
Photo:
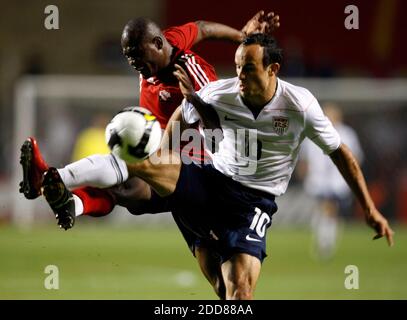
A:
[323, 178]
[281, 126]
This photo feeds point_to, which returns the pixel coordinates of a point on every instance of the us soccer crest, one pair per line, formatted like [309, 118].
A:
[280, 125]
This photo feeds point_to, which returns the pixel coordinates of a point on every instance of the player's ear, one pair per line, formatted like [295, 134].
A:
[273, 68]
[158, 42]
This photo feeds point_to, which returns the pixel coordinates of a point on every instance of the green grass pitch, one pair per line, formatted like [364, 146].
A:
[102, 261]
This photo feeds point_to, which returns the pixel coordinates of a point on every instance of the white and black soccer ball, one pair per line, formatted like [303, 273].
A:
[133, 134]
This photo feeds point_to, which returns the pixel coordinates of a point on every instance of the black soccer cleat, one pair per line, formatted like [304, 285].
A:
[59, 198]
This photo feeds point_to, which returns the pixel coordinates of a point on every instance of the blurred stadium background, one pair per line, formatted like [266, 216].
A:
[56, 83]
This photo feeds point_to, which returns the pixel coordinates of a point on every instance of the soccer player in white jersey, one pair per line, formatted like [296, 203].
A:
[324, 183]
[234, 202]
[242, 203]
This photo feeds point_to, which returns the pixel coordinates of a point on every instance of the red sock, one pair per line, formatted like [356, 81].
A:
[96, 202]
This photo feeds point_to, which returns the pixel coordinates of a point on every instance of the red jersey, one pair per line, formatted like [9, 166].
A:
[161, 94]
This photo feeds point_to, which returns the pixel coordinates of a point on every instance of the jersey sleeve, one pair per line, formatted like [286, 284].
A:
[189, 113]
[319, 128]
[183, 37]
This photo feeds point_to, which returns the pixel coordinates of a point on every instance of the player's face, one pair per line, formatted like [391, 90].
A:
[146, 60]
[254, 78]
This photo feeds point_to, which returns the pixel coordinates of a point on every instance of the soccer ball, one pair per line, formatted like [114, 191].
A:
[133, 134]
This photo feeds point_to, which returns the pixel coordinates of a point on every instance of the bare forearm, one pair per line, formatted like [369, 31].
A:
[213, 30]
[260, 22]
[207, 113]
[350, 170]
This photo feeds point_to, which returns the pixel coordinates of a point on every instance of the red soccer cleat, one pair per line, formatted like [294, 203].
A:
[34, 168]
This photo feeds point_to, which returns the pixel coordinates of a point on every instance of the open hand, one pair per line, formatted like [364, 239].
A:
[262, 23]
[185, 84]
[380, 225]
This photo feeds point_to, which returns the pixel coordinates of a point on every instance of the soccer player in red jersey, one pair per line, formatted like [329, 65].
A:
[159, 89]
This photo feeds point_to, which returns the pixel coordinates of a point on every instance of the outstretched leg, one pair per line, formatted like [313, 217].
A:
[97, 171]
[161, 175]
[101, 171]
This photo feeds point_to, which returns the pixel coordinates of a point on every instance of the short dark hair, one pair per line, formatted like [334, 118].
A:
[137, 30]
[272, 52]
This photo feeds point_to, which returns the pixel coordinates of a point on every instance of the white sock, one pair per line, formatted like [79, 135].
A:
[100, 171]
[78, 205]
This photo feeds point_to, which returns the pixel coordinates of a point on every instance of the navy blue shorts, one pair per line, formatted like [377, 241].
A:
[214, 211]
